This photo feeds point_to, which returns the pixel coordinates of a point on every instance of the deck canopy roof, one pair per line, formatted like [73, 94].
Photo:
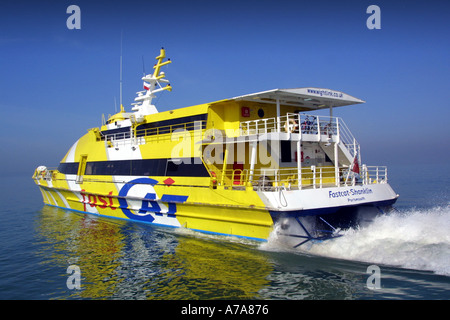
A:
[304, 98]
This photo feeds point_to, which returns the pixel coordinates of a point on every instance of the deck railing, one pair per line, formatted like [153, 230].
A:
[309, 127]
[48, 174]
[291, 122]
[374, 174]
[187, 126]
[141, 136]
[288, 178]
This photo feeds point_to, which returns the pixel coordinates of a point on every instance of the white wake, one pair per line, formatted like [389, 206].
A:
[415, 239]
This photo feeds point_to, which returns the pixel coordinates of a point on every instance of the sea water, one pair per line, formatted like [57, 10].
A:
[51, 253]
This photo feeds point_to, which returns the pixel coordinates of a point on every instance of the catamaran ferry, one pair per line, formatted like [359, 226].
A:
[243, 166]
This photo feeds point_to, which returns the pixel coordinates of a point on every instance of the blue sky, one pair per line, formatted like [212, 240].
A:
[56, 83]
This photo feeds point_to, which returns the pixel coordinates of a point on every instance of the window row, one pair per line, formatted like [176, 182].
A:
[184, 167]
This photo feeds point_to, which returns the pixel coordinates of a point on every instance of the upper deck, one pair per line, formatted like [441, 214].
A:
[235, 142]
[225, 134]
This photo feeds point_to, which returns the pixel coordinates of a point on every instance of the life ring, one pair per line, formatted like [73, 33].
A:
[291, 126]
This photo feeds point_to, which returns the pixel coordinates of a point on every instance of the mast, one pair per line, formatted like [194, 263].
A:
[121, 84]
[153, 83]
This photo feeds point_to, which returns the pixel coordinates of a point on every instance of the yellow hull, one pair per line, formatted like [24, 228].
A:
[224, 217]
